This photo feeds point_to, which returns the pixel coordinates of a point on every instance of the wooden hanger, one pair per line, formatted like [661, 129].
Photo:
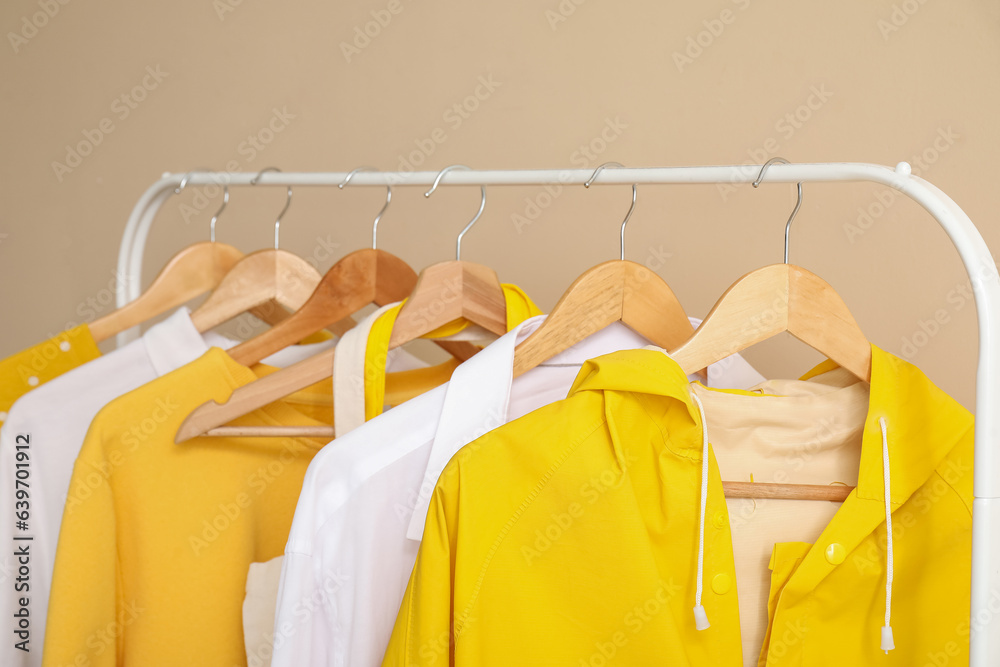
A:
[453, 290]
[190, 273]
[359, 279]
[775, 299]
[265, 282]
[615, 291]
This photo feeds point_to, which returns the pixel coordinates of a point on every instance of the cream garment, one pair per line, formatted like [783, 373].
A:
[799, 432]
[258, 610]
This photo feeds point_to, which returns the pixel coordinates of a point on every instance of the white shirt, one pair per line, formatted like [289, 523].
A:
[360, 516]
[55, 418]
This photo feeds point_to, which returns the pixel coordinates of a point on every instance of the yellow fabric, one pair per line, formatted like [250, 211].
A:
[318, 337]
[519, 308]
[400, 386]
[157, 538]
[34, 366]
[570, 537]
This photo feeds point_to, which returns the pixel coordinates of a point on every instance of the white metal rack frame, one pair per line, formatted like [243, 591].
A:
[982, 270]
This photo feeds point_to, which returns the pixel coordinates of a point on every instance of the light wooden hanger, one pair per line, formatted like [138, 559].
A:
[763, 303]
[454, 290]
[193, 271]
[264, 282]
[615, 291]
[357, 280]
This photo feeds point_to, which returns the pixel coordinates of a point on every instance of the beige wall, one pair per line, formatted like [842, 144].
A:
[837, 81]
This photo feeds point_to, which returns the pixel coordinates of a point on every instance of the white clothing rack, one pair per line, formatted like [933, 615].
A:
[982, 270]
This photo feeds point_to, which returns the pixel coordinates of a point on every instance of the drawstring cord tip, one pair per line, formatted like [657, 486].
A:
[887, 643]
[701, 618]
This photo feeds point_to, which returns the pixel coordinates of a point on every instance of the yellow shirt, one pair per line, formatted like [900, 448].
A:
[22, 372]
[570, 537]
[157, 538]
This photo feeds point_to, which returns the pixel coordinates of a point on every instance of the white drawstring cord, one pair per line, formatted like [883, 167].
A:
[700, 617]
[887, 642]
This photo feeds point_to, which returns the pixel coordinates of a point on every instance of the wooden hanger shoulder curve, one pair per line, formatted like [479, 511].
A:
[449, 291]
[190, 273]
[616, 290]
[772, 300]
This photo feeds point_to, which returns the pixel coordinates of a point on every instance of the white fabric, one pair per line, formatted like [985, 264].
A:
[55, 417]
[349, 556]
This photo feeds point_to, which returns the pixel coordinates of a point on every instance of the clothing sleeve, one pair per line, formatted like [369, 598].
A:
[424, 633]
[85, 621]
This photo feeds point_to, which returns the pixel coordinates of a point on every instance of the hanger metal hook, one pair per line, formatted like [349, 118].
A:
[288, 202]
[183, 184]
[187, 177]
[590, 181]
[482, 205]
[225, 202]
[798, 202]
[388, 198]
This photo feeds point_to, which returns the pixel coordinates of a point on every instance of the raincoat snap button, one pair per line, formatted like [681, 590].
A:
[721, 583]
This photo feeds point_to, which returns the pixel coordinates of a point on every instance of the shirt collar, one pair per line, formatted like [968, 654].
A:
[477, 397]
[175, 342]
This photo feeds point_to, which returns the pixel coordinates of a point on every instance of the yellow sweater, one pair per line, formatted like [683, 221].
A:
[157, 537]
